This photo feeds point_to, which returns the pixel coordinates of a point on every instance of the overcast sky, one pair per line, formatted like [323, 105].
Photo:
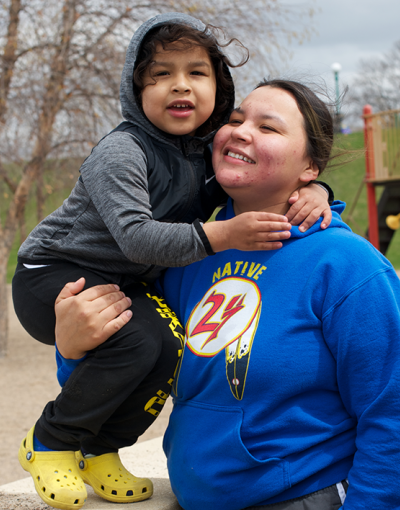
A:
[347, 30]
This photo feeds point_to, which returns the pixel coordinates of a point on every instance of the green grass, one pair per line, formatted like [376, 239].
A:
[345, 181]
[59, 178]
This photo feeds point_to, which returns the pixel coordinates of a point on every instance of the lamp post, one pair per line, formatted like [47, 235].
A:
[336, 68]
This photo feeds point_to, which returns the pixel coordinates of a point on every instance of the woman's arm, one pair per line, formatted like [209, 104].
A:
[363, 333]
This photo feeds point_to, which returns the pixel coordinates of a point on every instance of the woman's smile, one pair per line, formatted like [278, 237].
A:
[238, 155]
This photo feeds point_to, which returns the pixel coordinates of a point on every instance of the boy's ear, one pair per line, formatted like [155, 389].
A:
[310, 173]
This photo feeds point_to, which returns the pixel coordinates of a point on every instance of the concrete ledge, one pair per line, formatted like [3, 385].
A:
[143, 459]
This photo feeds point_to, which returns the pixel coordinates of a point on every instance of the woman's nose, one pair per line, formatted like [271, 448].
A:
[242, 132]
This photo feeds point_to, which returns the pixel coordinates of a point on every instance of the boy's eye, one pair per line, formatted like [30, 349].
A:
[198, 73]
[161, 73]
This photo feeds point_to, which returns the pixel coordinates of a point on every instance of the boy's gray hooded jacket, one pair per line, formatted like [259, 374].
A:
[133, 209]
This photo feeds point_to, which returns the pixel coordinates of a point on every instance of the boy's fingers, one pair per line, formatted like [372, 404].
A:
[293, 197]
[327, 215]
[311, 219]
[268, 237]
[304, 213]
[266, 241]
[273, 226]
[268, 246]
[295, 209]
[264, 216]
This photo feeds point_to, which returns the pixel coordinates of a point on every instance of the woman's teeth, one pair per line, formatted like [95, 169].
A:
[239, 156]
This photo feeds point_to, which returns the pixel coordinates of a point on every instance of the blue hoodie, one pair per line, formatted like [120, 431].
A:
[290, 375]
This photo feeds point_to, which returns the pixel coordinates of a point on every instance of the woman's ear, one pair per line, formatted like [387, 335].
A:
[310, 173]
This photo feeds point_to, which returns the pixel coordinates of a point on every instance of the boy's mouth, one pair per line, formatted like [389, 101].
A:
[180, 109]
[181, 106]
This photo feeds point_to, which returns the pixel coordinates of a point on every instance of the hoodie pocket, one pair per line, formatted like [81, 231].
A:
[210, 467]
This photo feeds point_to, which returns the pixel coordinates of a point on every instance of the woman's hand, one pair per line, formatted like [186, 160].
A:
[86, 319]
[248, 231]
[309, 204]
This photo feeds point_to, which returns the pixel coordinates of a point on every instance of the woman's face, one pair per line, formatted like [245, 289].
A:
[259, 157]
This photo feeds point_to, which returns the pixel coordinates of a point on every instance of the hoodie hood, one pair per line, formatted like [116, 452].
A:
[131, 110]
[337, 209]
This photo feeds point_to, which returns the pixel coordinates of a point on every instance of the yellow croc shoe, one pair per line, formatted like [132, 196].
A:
[110, 480]
[57, 479]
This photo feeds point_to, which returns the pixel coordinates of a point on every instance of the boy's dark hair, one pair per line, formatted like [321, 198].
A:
[188, 36]
[318, 122]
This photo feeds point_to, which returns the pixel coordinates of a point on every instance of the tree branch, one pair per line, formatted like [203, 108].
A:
[9, 56]
[7, 180]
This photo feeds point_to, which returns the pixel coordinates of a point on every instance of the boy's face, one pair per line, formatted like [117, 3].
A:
[183, 97]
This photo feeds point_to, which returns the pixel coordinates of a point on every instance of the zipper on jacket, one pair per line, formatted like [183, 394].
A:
[192, 184]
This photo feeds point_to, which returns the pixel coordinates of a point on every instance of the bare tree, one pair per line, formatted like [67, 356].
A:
[266, 27]
[8, 64]
[377, 83]
[60, 65]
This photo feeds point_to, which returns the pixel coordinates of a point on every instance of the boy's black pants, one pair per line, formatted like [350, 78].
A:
[116, 393]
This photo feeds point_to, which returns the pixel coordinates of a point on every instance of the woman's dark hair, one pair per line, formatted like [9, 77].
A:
[166, 35]
[318, 122]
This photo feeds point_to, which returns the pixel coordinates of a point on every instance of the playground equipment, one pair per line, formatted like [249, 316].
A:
[382, 168]
[393, 222]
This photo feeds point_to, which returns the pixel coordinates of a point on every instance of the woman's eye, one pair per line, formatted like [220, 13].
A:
[267, 128]
[235, 122]
[161, 73]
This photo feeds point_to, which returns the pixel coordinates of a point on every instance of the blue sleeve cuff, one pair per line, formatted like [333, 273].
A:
[65, 367]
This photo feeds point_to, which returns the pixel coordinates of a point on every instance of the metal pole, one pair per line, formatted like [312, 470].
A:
[336, 67]
[337, 93]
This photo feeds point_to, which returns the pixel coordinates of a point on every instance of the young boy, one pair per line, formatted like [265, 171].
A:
[137, 207]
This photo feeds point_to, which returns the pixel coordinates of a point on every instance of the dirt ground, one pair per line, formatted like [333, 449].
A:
[27, 382]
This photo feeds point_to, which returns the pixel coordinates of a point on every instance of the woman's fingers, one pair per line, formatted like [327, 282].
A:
[71, 289]
[116, 324]
[82, 320]
[111, 310]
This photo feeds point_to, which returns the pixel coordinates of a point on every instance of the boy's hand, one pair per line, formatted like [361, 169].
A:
[248, 231]
[86, 319]
[309, 204]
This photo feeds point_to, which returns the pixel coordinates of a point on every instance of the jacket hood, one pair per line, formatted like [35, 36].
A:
[130, 104]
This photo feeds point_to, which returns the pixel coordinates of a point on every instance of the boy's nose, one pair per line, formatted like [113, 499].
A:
[181, 85]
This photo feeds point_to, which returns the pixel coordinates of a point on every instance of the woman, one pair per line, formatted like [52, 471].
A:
[287, 393]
